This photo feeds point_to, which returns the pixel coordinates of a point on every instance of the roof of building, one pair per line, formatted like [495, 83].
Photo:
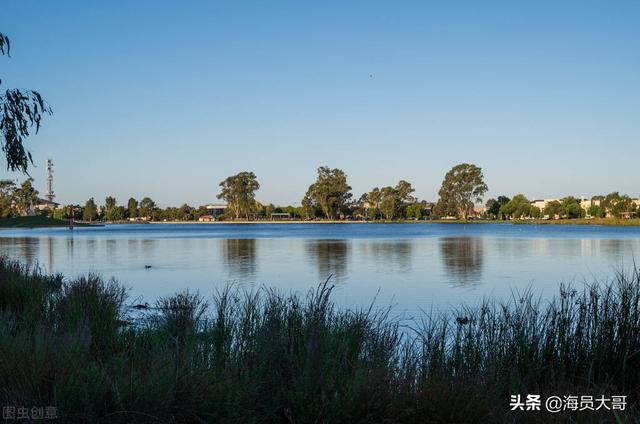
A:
[42, 201]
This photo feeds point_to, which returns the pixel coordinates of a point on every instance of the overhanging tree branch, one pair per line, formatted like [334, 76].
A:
[20, 111]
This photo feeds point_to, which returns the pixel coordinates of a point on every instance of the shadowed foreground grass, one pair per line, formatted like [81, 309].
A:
[38, 222]
[262, 356]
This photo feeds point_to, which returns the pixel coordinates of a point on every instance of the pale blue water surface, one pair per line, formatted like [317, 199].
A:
[413, 266]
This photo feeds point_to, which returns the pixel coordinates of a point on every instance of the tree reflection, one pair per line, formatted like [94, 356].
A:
[330, 256]
[463, 259]
[25, 249]
[392, 254]
[240, 258]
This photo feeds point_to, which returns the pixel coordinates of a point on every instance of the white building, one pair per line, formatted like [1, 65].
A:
[542, 203]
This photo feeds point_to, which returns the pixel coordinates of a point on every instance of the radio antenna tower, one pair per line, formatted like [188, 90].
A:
[50, 195]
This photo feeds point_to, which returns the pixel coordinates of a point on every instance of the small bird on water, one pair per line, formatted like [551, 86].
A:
[147, 266]
[141, 306]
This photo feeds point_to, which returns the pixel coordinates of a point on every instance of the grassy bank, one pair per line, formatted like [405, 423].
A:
[264, 357]
[36, 222]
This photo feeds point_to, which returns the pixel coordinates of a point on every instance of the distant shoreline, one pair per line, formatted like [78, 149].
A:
[611, 222]
[28, 222]
[41, 222]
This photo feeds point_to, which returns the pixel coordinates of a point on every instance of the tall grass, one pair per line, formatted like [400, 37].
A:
[262, 356]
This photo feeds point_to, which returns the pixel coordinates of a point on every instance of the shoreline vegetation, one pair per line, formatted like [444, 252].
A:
[330, 200]
[261, 355]
[587, 221]
[41, 222]
[28, 222]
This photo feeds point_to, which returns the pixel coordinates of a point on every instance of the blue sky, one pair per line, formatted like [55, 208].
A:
[166, 99]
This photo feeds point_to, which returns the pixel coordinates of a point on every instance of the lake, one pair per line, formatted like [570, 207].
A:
[410, 266]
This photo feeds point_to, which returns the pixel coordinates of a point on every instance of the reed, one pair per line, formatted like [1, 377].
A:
[266, 356]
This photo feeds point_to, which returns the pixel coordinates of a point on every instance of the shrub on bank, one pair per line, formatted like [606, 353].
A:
[263, 356]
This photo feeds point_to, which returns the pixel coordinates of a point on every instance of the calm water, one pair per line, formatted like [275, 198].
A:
[413, 265]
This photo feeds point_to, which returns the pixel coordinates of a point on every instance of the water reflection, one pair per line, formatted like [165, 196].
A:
[25, 249]
[408, 262]
[90, 248]
[240, 258]
[615, 248]
[70, 247]
[330, 257]
[514, 248]
[520, 249]
[463, 259]
[394, 255]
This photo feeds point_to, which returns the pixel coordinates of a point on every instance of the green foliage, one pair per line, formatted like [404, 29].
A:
[309, 209]
[113, 212]
[404, 192]
[94, 307]
[239, 193]
[20, 110]
[110, 202]
[535, 212]
[596, 211]
[414, 211]
[185, 213]
[268, 210]
[292, 211]
[66, 212]
[147, 208]
[571, 208]
[90, 211]
[7, 197]
[330, 193]
[618, 205]
[132, 208]
[462, 186]
[389, 202]
[374, 197]
[25, 196]
[59, 213]
[516, 208]
[200, 211]
[393, 200]
[553, 209]
[494, 205]
[182, 315]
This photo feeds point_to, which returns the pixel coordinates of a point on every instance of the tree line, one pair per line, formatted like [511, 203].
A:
[519, 207]
[330, 197]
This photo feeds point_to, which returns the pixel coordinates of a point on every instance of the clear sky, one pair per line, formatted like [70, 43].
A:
[167, 98]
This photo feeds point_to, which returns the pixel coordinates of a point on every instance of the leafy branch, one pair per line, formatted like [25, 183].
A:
[20, 110]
